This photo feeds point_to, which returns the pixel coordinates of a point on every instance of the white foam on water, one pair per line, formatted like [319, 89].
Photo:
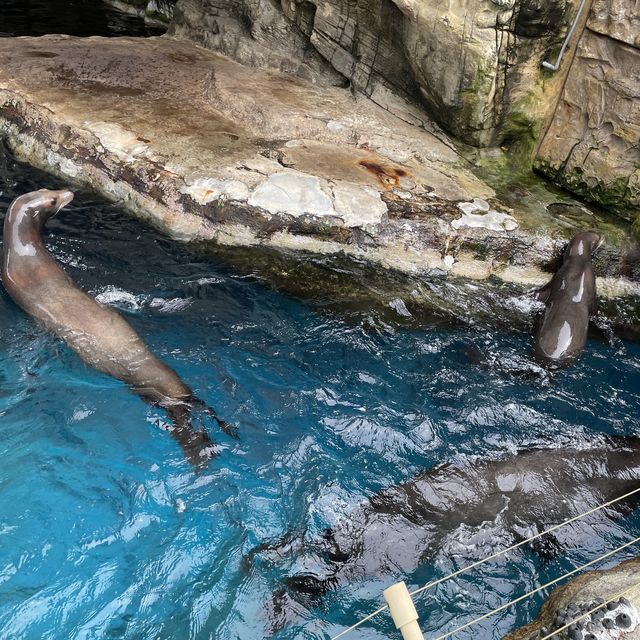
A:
[115, 297]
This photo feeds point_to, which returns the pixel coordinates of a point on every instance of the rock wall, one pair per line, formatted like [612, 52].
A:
[470, 62]
[255, 33]
[157, 11]
[593, 144]
[568, 602]
[215, 151]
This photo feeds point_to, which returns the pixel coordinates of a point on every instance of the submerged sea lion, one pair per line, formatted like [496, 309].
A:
[100, 336]
[397, 530]
[570, 299]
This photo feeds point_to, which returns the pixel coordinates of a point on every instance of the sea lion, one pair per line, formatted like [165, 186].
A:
[99, 335]
[396, 531]
[570, 300]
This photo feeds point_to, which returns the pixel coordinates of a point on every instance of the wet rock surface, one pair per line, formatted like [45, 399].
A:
[575, 600]
[209, 150]
[592, 146]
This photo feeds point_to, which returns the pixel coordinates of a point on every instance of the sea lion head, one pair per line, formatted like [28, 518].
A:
[584, 244]
[44, 203]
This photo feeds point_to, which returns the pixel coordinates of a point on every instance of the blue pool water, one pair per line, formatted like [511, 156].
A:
[105, 532]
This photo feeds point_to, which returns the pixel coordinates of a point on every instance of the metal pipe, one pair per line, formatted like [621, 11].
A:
[556, 66]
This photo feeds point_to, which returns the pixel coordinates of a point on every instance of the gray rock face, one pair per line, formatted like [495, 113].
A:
[618, 19]
[592, 146]
[155, 11]
[464, 59]
[256, 33]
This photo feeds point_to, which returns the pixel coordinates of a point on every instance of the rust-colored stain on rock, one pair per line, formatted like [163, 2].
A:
[388, 176]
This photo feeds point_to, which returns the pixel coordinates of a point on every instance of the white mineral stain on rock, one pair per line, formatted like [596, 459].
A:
[487, 219]
[292, 192]
[448, 261]
[477, 205]
[120, 141]
[206, 190]
[334, 125]
[358, 206]
[398, 305]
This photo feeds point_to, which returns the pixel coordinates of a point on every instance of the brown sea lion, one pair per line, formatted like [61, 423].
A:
[99, 335]
[570, 300]
[400, 529]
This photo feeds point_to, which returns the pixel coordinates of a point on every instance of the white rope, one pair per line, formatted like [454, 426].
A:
[434, 583]
[538, 589]
[357, 624]
[588, 613]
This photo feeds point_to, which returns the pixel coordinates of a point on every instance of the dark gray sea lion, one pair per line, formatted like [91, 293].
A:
[100, 336]
[397, 530]
[570, 300]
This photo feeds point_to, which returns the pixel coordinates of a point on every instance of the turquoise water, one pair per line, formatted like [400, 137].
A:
[105, 532]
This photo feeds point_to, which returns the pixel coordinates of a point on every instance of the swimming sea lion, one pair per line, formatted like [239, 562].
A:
[100, 336]
[570, 299]
[396, 531]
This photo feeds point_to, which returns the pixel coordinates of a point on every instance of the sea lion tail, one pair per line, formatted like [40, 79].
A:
[226, 428]
[197, 446]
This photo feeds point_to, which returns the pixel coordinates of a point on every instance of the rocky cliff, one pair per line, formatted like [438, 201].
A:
[468, 61]
[592, 146]
[475, 65]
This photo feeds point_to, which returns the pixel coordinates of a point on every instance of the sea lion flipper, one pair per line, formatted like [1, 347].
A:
[543, 293]
[228, 429]
[197, 446]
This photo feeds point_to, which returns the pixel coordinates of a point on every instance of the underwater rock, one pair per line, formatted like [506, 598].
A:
[395, 532]
[618, 619]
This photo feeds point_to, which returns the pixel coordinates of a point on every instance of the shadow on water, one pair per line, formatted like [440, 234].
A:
[71, 17]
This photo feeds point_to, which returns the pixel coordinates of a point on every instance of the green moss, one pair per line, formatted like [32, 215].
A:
[614, 196]
[466, 121]
[520, 132]
[158, 16]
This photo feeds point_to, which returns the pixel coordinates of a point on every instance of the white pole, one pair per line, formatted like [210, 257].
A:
[403, 612]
